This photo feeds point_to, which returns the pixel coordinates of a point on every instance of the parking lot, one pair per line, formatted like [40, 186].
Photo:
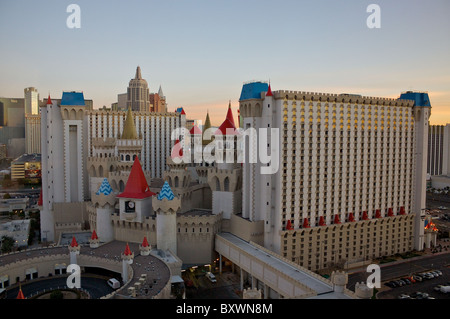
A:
[424, 289]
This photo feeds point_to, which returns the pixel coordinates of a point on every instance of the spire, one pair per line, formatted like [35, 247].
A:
[166, 192]
[228, 124]
[136, 186]
[230, 115]
[74, 242]
[129, 130]
[94, 235]
[160, 92]
[205, 127]
[49, 100]
[145, 242]
[20, 294]
[105, 188]
[138, 73]
[127, 251]
[269, 91]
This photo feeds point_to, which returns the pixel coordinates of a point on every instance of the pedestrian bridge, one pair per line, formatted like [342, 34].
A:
[279, 277]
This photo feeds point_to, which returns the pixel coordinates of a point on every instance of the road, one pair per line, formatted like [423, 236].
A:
[96, 286]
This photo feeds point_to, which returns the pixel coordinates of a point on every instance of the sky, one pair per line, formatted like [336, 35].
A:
[201, 52]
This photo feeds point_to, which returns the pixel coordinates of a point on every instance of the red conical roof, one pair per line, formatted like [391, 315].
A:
[136, 186]
[182, 112]
[195, 130]
[365, 216]
[269, 91]
[227, 125]
[230, 115]
[289, 225]
[390, 212]
[20, 294]
[351, 218]
[145, 242]
[127, 251]
[94, 235]
[322, 221]
[337, 220]
[378, 213]
[306, 223]
[74, 242]
[402, 211]
[49, 101]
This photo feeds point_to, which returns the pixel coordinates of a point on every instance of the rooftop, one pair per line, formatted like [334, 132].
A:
[72, 98]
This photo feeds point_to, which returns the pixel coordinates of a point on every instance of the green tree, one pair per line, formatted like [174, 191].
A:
[56, 294]
[6, 196]
[7, 244]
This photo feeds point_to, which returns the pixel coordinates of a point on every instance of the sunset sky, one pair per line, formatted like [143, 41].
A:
[201, 52]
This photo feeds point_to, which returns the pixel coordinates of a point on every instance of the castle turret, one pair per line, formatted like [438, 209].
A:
[94, 241]
[145, 247]
[129, 145]
[135, 202]
[166, 206]
[104, 201]
[74, 250]
[127, 259]
[225, 179]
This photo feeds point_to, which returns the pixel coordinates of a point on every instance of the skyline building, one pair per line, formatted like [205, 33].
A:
[368, 152]
[138, 93]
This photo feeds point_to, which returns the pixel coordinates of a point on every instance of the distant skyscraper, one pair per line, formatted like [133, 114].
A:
[438, 150]
[31, 96]
[138, 93]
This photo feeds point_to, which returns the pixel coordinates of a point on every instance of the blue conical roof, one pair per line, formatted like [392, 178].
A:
[166, 192]
[105, 188]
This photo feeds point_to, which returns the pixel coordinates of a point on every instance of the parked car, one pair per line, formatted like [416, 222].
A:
[437, 288]
[404, 296]
[445, 289]
[417, 278]
[211, 277]
[113, 283]
[391, 284]
[407, 281]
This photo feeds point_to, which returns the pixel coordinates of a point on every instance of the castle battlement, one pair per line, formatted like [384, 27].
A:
[340, 98]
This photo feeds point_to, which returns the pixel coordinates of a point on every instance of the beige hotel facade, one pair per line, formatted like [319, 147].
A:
[351, 180]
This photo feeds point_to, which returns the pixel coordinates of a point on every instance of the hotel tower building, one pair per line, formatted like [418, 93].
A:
[351, 179]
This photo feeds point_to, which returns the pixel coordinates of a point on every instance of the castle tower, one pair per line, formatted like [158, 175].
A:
[166, 206]
[103, 161]
[145, 247]
[129, 145]
[104, 201]
[135, 202]
[62, 141]
[94, 241]
[225, 179]
[339, 280]
[74, 250]
[127, 259]
[421, 112]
